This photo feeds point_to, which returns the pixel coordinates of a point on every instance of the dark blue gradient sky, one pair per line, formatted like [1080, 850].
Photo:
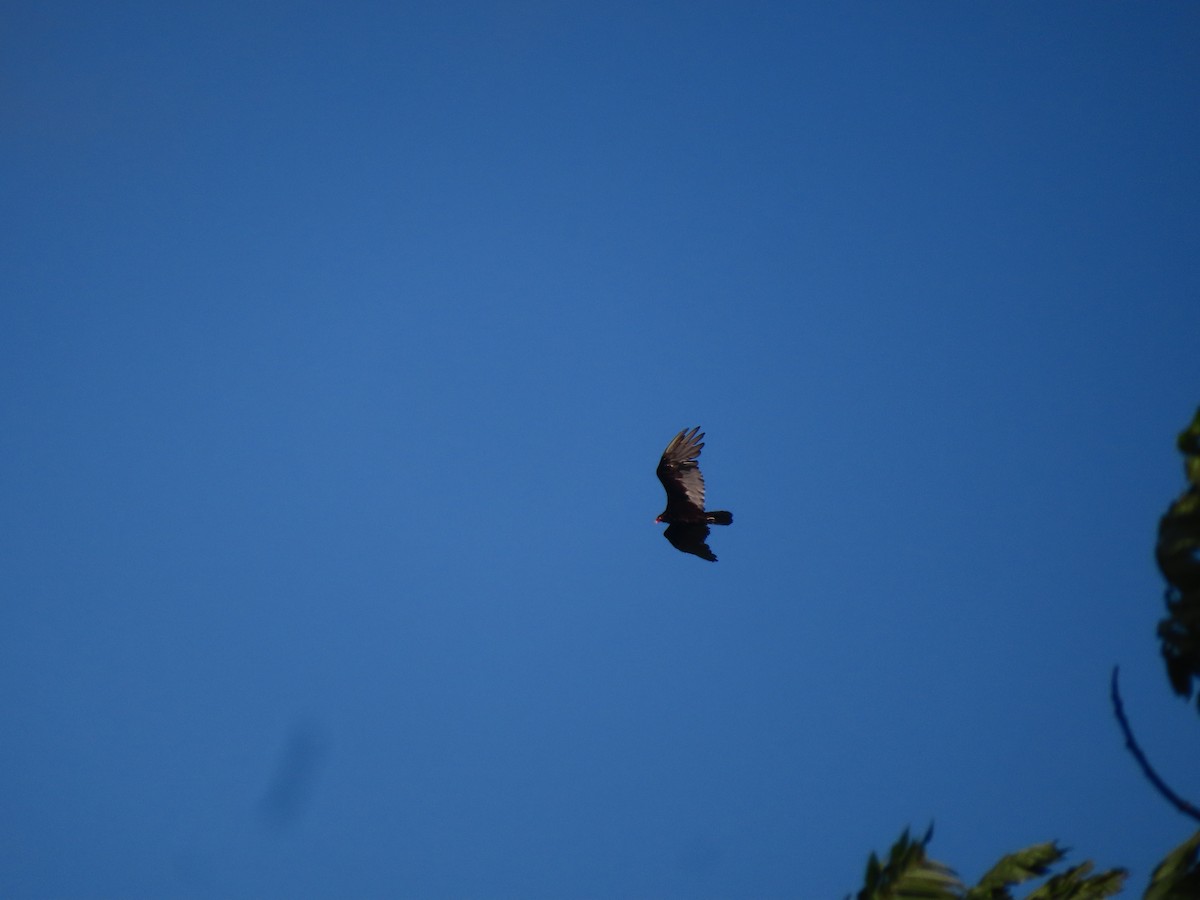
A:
[338, 344]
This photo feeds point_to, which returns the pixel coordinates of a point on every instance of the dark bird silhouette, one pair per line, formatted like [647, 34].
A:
[685, 515]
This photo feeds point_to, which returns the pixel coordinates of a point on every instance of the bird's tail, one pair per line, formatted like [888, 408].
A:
[720, 517]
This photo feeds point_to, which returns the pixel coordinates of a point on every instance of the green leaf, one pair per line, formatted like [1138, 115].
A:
[1188, 441]
[1032, 862]
[1177, 552]
[909, 874]
[1178, 876]
[1074, 884]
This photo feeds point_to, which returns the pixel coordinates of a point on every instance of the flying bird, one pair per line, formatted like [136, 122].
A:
[687, 521]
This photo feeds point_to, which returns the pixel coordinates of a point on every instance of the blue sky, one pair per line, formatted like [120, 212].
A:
[339, 345]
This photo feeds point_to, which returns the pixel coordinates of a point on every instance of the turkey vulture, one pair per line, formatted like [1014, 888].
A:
[687, 521]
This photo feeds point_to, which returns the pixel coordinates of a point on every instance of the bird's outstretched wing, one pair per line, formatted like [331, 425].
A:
[690, 539]
[680, 475]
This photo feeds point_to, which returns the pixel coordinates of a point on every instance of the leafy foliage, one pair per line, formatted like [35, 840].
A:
[1015, 868]
[1178, 557]
[1178, 876]
[1075, 884]
[909, 874]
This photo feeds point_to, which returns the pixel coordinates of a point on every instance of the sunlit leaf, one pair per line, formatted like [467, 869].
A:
[1178, 876]
[1077, 884]
[909, 874]
[1032, 862]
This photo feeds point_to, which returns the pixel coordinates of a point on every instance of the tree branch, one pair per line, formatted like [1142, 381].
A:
[1161, 786]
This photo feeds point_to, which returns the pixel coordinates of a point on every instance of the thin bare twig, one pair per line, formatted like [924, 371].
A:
[1161, 786]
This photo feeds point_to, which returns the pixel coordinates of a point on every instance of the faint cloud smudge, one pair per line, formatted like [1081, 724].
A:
[291, 788]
